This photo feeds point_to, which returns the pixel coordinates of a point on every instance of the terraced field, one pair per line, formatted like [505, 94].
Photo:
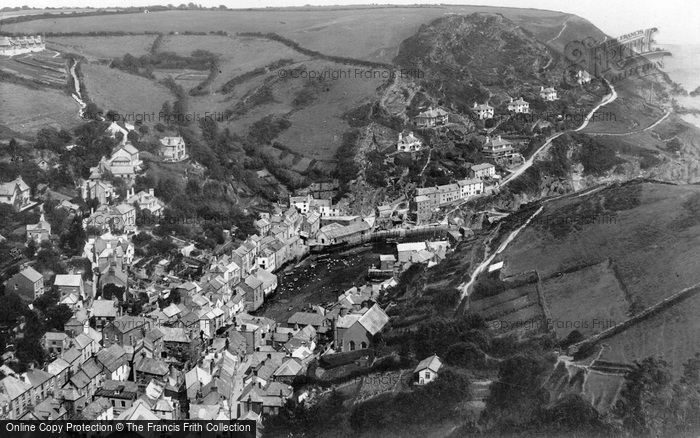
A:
[514, 311]
[38, 67]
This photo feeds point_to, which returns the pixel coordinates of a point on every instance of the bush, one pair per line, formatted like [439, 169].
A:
[428, 404]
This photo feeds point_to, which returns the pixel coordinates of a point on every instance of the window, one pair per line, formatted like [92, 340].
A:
[427, 375]
[363, 345]
[352, 345]
[123, 403]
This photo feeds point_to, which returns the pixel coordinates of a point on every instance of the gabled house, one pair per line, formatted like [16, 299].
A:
[549, 94]
[28, 284]
[115, 362]
[497, 147]
[408, 142]
[125, 330]
[483, 111]
[98, 189]
[146, 200]
[519, 106]
[356, 330]
[15, 193]
[121, 395]
[70, 284]
[40, 231]
[15, 397]
[431, 117]
[427, 370]
[483, 170]
[103, 311]
[252, 289]
[173, 148]
[56, 342]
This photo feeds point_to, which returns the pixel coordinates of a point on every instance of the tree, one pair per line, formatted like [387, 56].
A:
[57, 317]
[73, 240]
[111, 291]
[644, 402]
[686, 397]
[516, 397]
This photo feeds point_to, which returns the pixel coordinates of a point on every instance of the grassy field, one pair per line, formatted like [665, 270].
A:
[27, 110]
[366, 32]
[237, 55]
[586, 300]
[650, 231]
[103, 46]
[112, 89]
[672, 334]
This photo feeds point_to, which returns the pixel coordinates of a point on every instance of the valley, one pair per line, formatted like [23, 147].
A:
[349, 220]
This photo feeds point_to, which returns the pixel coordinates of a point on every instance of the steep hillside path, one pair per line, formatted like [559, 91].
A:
[563, 28]
[464, 288]
[609, 98]
[622, 134]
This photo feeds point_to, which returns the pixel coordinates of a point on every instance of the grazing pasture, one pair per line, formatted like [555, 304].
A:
[371, 33]
[588, 300]
[649, 231]
[672, 334]
[127, 94]
[103, 47]
[27, 110]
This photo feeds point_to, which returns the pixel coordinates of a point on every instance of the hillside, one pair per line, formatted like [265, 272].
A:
[465, 59]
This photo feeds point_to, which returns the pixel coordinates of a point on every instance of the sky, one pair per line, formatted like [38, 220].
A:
[678, 21]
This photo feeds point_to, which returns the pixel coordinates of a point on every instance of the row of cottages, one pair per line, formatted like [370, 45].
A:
[431, 118]
[146, 200]
[497, 147]
[429, 198]
[15, 193]
[112, 218]
[307, 204]
[173, 149]
[11, 46]
[408, 142]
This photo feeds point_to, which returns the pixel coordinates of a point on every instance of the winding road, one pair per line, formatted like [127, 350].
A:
[609, 98]
[464, 288]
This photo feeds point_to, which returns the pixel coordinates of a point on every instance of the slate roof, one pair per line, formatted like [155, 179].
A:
[432, 363]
